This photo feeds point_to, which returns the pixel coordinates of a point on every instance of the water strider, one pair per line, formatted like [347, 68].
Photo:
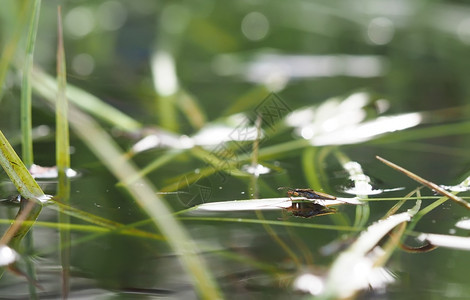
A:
[307, 193]
[308, 209]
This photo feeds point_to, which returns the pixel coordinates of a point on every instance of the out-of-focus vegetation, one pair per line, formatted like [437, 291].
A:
[177, 86]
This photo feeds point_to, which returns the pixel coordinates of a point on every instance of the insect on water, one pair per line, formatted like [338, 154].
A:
[308, 209]
[306, 193]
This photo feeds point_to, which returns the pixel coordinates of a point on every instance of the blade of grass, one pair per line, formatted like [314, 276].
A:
[430, 207]
[399, 204]
[222, 160]
[46, 86]
[146, 196]
[155, 164]
[26, 123]
[97, 220]
[427, 183]
[18, 173]
[62, 125]
[62, 155]
[11, 46]
[122, 230]
[255, 195]
[191, 109]
[270, 222]
[310, 165]
[29, 190]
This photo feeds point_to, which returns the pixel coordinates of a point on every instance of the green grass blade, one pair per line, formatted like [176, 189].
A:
[167, 114]
[63, 155]
[10, 48]
[62, 125]
[127, 230]
[18, 172]
[46, 86]
[191, 109]
[102, 222]
[146, 196]
[28, 188]
[26, 122]
[26, 125]
[270, 222]
[427, 183]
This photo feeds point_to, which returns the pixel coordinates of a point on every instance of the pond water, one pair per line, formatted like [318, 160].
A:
[216, 102]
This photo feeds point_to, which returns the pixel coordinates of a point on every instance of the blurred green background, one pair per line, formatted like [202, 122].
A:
[144, 57]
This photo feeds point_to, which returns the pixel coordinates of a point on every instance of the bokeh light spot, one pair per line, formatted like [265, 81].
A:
[255, 26]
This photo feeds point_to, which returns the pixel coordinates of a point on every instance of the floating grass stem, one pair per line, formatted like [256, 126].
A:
[427, 183]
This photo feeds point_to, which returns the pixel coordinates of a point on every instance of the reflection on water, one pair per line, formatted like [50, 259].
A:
[383, 66]
[340, 122]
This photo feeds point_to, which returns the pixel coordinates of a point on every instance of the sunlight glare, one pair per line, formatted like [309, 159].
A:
[242, 205]
[309, 283]
[367, 130]
[164, 73]
[256, 170]
[448, 241]
[7, 255]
